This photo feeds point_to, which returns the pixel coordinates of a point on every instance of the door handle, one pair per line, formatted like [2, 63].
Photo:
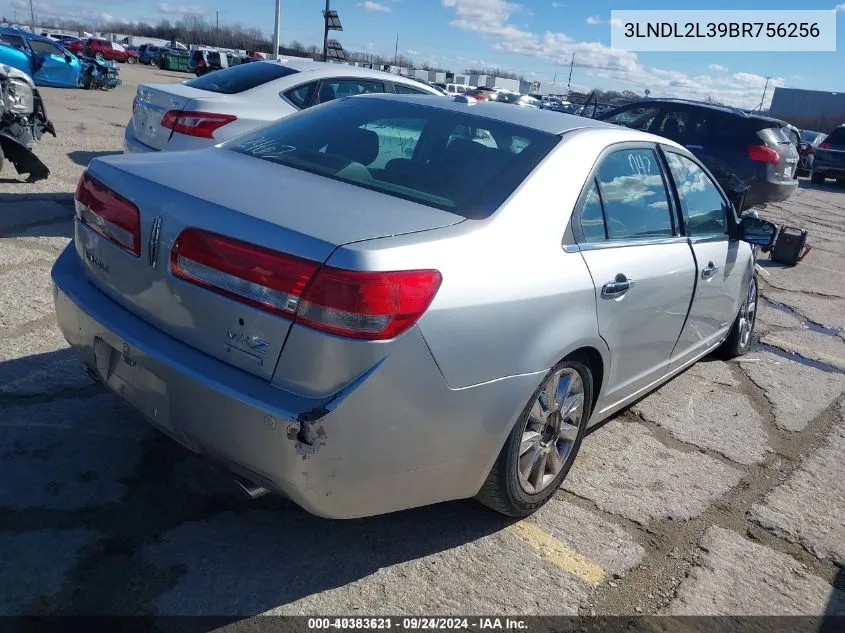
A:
[709, 271]
[617, 287]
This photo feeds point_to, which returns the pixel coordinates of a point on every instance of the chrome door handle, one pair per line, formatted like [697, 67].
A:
[708, 272]
[617, 287]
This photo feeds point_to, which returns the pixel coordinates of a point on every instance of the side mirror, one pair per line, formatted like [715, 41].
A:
[757, 232]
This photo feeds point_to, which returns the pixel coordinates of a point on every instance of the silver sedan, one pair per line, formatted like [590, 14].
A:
[391, 301]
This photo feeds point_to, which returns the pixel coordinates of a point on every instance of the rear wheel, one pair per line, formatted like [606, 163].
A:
[542, 446]
[131, 60]
[817, 178]
[739, 338]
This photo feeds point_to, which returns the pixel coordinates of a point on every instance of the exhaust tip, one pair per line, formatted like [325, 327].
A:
[250, 489]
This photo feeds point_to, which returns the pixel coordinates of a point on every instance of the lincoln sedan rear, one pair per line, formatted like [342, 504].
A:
[393, 301]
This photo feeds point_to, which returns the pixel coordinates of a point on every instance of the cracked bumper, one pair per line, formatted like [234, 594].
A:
[395, 439]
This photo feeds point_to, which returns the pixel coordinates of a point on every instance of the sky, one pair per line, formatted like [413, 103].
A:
[535, 38]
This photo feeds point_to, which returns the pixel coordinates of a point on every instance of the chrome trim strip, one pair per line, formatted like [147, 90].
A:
[595, 246]
[710, 238]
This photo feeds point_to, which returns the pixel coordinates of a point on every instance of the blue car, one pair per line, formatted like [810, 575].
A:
[46, 61]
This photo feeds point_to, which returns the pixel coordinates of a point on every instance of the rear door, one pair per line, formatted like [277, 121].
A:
[643, 270]
[722, 264]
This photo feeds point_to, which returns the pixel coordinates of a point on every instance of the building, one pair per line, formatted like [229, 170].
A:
[796, 104]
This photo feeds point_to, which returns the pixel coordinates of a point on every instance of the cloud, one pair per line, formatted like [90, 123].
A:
[492, 19]
[557, 5]
[46, 11]
[181, 9]
[374, 6]
[595, 19]
[717, 68]
[839, 7]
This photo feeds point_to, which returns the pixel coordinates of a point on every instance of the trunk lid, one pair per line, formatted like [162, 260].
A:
[272, 206]
[152, 101]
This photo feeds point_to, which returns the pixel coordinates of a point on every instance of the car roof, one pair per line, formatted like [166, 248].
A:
[26, 34]
[329, 69]
[535, 118]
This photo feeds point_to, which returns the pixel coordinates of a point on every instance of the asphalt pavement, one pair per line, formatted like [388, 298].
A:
[721, 493]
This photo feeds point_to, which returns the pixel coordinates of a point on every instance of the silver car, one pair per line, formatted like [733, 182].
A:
[393, 301]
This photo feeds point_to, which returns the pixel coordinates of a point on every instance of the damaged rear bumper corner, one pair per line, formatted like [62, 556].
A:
[396, 438]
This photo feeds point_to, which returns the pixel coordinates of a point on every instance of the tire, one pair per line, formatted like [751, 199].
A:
[817, 179]
[131, 60]
[739, 338]
[98, 56]
[505, 490]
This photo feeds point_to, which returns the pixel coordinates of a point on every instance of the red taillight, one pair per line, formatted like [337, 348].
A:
[361, 305]
[763, 154]
[109, 214]
[201, 124]
[825, 145]
[201, 63]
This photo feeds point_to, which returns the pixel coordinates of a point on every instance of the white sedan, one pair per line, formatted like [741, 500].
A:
[227, 103]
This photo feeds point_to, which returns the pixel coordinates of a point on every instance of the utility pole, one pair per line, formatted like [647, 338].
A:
[554, 81]
[569, 81]
[276, 34]
[32, 14]
[763, 99]
[326, 33]
[396, 50]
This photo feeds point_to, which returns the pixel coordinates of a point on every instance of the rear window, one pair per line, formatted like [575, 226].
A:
[777, 135]
[240, 78]
[837, 137]
[457, 162]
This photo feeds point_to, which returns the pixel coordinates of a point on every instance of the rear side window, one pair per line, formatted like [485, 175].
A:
[331, 89]
[638, 118]
[837, 137]
[406, 150]
[592, 216]
[12, 40]
[240, 78]
[634, 197]
[301, 96]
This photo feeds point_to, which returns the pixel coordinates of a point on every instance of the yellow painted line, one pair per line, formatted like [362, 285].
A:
[559, 554]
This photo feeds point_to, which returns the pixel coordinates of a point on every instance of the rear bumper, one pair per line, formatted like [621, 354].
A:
[762, 192]
[395, 438]
[132, 145]
[830, 170]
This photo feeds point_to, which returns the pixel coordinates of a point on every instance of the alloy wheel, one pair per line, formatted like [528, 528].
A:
[748, 314]
[551, 429]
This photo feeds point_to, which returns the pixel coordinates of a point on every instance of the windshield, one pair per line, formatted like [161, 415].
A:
[450, 160]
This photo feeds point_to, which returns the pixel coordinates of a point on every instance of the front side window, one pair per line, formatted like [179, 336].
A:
[45, 48]
[402, 89]
[331, 89]
[634, 195]
[705, 211]
[405, 150]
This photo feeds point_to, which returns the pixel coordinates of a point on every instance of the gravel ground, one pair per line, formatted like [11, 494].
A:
[722, 493]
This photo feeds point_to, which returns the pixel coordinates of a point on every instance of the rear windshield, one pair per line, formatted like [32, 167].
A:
[454, 161]
[777, 135]
[837, 137]
[240, 78]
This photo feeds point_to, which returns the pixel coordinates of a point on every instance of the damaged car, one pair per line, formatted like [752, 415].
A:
[23, 121]
[46, 61]
[365, 327]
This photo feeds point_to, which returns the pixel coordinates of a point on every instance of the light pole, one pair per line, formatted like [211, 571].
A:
[32, 14]
[276, 33]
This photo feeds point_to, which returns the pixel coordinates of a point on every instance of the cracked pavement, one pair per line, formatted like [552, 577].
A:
[721, 493]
